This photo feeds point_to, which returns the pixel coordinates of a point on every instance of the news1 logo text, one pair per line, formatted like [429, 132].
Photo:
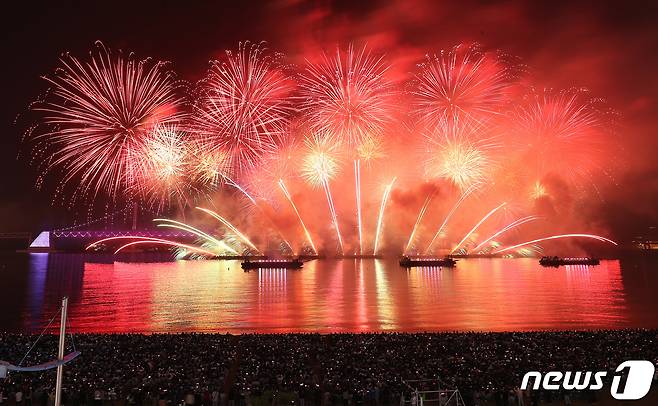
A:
[630, 381]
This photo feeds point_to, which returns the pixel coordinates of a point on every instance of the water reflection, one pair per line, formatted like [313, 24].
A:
[134, 294]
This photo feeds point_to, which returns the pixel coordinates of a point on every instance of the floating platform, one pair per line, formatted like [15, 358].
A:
[413, 262]
[272, 264]
[557, 261]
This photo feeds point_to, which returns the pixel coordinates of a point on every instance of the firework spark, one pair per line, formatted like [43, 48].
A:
[207, 241]
[257, 205]
[347, 95]
[98, 116]
[281, 164]
[244, 105]
[460, 162]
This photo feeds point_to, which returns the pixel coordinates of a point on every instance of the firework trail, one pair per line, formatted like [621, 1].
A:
[508, 227]
[347, 95]
[168, 243]
[554, 237]
[334, 216]
[463, 83]
[230, 227]
[449, 215]
[208, 241]
[421, 214]
[254, 202]
[380, 218]
[98, 115]
[289, 197]
[244, 105]
[478, 225]
[319, 166]
[262, 211]
[145, 240]
[186, 227]
[357, 185]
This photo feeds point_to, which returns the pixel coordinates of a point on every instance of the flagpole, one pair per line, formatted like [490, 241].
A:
[60, 355]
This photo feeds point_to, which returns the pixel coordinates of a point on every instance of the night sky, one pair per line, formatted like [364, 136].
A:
[609, 47]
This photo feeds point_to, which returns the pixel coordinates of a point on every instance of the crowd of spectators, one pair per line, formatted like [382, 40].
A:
[311, 369]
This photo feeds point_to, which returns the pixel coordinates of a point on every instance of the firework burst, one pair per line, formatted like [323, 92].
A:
[281, 164]
[347, 95]
[567, 129]
[322, 160]
[117, 126]
[98, 116]
[164, 160]
[463, 83]
[207, 167]
[461, 154]
[460, 162]
[370, 149]
[244, 105]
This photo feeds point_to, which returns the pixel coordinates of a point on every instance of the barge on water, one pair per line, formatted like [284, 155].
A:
[295, 263]
[412, 262]
[557, 261]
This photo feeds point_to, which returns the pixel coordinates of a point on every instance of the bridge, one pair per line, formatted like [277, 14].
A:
[76, 240]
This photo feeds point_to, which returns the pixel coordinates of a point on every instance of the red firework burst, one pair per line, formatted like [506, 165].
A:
[347, 95]
[244, 105]
[97, 117]
[566, 132]
[463, 83]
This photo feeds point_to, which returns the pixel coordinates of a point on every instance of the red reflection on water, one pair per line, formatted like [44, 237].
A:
[364, 295]
[114, 295]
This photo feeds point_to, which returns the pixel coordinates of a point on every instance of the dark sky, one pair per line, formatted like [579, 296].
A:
[609, 47]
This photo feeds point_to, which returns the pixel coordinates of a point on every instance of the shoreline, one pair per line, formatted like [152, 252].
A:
[347, 333]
